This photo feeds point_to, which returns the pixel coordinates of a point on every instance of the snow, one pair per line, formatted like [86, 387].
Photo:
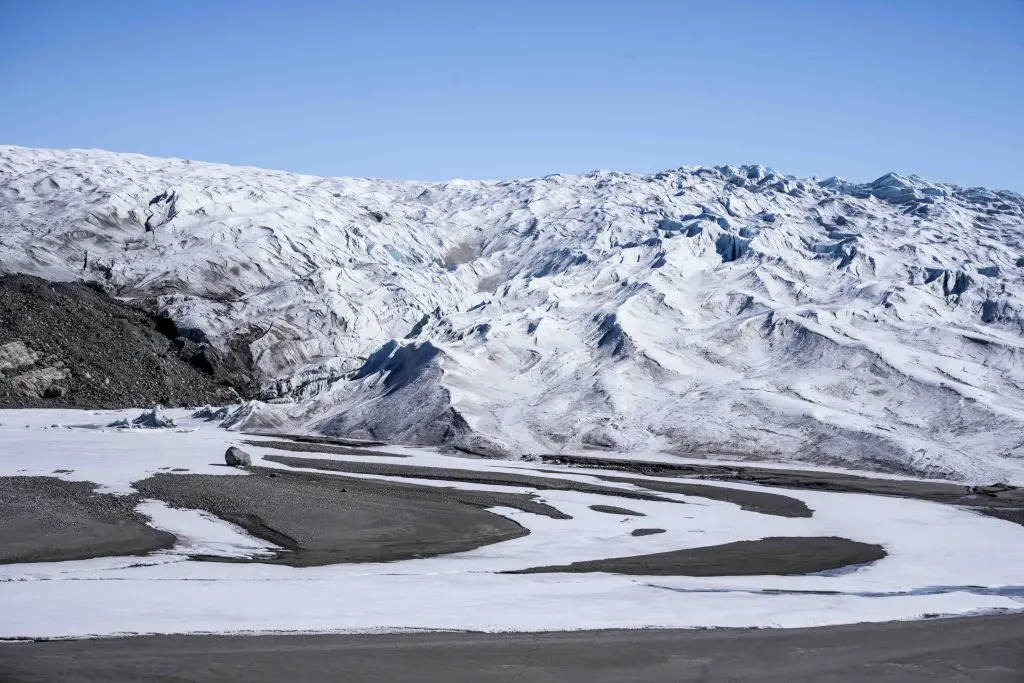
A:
[40, 442]
[941, 559]
[732, 312]
[200, 533]
[479, 603]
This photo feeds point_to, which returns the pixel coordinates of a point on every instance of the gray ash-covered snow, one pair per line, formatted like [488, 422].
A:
[68, 344]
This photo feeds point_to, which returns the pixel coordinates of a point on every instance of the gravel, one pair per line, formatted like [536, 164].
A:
[613, 510]
[986, 649]
[755, 501]
[1001, 501]
[327, 519]
[316, 447]
[468, 476]
[774, 555]
[46, 519]
[89, 350]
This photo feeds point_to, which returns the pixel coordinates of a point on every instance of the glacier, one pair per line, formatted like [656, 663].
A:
[734, 313]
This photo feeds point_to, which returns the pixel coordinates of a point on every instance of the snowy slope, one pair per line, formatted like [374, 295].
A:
[726, 311]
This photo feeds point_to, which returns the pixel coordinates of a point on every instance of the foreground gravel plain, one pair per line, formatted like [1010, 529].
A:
[977, 649]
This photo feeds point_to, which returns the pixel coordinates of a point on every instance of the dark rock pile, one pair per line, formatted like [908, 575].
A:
[68, 344]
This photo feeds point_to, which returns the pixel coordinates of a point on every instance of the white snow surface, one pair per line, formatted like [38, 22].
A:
[200, 533]
[731, 311]
[941, 559]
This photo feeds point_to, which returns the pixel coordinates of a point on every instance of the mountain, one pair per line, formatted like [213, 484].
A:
[731, 311]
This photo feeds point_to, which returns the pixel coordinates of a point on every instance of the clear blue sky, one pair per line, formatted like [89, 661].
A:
[442, 89]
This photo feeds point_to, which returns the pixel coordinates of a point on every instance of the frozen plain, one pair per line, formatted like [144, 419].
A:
[941, 559]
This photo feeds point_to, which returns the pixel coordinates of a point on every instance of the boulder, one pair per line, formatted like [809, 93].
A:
[55, 391]
[34, 383]
[15, 355]
[236, 457]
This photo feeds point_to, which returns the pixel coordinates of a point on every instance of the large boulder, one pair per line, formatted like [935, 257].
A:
[236, 457]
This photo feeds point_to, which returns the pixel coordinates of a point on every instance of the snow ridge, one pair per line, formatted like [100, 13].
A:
[727, 311]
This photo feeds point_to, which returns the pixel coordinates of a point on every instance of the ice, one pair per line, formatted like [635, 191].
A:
[154, 418]
[734, 312]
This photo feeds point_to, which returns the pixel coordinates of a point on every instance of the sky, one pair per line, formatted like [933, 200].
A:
[442, 89]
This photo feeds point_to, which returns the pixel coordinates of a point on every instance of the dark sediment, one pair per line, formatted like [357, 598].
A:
[1003, 502]
[319, 439]
[776, 555]
[86, 349]
[45, 519]
[327, 519]
[980, 649]
[612, 510]
[467, 476]
[754, 501]
[751, 501]
[316, 447]
[646, 532]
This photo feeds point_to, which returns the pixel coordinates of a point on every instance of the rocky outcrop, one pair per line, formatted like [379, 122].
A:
[41, 382]
[27, 374]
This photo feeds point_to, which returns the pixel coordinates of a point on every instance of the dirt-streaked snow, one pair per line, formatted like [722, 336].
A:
[732, 311]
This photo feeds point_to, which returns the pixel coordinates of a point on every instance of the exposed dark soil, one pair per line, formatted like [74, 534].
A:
[468, 476]
[314, 447]
[320, 439]
[94, 351]
[754, 501]
[1003, 502]
[776, 555]
[646, 532]
[979, 649]
[612, 510]
[327, 519]
[751, 501]
[45, 519]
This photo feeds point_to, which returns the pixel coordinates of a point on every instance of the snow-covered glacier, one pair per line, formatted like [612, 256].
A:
[733, 312]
